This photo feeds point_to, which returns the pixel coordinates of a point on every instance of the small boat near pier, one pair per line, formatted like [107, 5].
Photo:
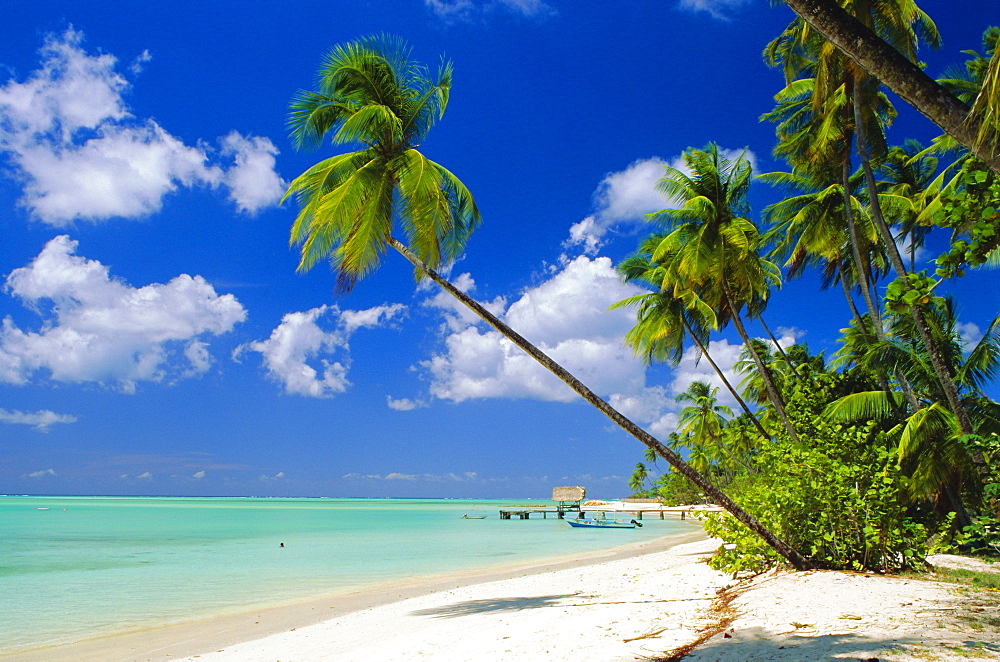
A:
[603, 523]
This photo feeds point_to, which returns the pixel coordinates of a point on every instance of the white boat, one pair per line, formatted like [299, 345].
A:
[603, 523]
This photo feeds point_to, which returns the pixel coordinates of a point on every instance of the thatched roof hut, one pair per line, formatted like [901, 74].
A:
[573, 493]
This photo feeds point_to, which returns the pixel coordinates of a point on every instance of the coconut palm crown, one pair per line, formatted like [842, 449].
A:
[370, 93]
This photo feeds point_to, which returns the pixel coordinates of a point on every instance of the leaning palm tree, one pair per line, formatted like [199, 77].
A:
[370, 92]
[904, 77]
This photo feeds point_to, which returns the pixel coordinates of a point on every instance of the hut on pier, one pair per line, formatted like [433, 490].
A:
[568, 498]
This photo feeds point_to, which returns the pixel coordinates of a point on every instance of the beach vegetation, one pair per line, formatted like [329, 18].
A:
[865, 461]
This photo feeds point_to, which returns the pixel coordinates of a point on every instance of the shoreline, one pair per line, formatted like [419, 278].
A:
[194, 637]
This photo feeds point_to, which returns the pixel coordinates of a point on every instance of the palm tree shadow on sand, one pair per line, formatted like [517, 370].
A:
[470, 607]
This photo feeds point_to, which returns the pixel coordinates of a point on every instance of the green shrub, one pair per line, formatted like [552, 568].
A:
[835, 497]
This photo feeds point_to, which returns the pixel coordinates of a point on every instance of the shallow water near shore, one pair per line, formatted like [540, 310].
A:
[74, 567]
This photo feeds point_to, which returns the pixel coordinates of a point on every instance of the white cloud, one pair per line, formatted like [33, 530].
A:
[468, 10]
[300, 339]
[100, 329]
[433, 478]
[695, 367]
[198, 475]
[41, 420]
[42, 474]
[145, 476]
[399, 476]
[253, 182]
[716, 8]
[625, 196]
[83, 155]
[969, 333]
[457, 316]
[567, 318]
[404, 404]
[277, 476]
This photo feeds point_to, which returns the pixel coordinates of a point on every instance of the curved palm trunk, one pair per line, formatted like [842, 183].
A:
[772, 392]
[722, 376]
[897, 73]
[675, 460]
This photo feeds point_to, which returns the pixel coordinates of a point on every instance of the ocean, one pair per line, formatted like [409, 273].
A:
[75, 567]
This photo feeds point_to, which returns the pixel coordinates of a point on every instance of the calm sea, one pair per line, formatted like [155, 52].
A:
[72, 567]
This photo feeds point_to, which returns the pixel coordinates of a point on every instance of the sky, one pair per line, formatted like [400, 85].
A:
[157, 339]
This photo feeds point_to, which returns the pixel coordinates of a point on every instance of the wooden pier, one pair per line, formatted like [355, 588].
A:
[570, 500]
[660, 513]
[526, 513]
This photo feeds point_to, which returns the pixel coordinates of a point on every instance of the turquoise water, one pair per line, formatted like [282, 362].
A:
[72, 567]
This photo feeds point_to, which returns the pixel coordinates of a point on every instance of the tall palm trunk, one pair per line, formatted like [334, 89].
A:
[675, 460]
[860, 265]
[777, 345]
[772, 391]
[850, 299]
[725, 380]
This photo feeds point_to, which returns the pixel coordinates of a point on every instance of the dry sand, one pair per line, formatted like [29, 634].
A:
[798, 616]
[650, 606]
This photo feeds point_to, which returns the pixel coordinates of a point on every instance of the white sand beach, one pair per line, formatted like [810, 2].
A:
[647, 607]
[654, 605]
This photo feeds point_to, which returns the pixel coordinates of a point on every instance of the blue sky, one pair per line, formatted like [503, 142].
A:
[157, 339]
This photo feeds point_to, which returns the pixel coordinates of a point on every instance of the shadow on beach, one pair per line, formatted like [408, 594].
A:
[759, 644]
[470, 607]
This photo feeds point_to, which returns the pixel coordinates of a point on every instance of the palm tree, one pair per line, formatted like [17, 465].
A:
[710, 256]
[701, 423]
[371, 92]
[907, 186]
[663, 321]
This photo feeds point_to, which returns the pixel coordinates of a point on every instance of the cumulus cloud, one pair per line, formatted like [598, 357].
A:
[82, 155]
[41, 420]
[252, 180]
[198, 475]
[566, 317]
[145, 476]
[96, 328]
[720, 9]
[452, 11]
[41, 474]
[300, 339]
[970, 334]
